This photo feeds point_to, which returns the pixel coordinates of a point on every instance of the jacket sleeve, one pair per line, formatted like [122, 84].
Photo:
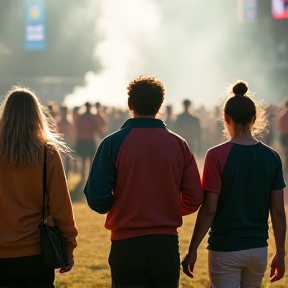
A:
[191, 195]
[102, 178]
[59, 201]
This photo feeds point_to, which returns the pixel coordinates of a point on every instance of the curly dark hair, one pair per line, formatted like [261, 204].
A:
[146, 94]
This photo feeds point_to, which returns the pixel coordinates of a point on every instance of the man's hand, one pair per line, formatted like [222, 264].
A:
[277, 268]
[69, 264]
[188, 263]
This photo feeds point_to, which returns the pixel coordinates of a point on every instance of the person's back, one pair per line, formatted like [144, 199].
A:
[247, 175]
[85, 126]
[24, 133]
[243, 181]
[100, 121]
[18, 236]
[169, 119]
[188, 126]
[85, 144]
[146, 178]
[66, 127]
[149, 161]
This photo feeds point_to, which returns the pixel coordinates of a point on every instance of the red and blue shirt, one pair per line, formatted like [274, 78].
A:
[244, 177]
[146, 178]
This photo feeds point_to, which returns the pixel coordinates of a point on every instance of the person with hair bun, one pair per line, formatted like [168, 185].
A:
[243, 181]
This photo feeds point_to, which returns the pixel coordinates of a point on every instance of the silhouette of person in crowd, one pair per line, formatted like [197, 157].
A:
[169, 120]
[85, 145]
[188, 126]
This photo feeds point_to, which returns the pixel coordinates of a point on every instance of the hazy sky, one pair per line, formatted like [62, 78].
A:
[192, 45]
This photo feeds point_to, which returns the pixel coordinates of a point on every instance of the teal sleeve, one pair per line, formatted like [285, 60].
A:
[101, 181]
[103, 174]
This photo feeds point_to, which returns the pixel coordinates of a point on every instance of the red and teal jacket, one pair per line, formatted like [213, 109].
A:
[146, 178]
[244, 177]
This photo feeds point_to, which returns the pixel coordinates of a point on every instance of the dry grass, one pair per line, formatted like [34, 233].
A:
[91, 268]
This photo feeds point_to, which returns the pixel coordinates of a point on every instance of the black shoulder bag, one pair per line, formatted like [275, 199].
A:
[53, 249]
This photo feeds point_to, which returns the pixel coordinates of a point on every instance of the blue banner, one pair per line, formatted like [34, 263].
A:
[247, 10]
[35, 25]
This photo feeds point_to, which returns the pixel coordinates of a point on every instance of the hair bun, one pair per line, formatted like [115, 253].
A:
[240, 88]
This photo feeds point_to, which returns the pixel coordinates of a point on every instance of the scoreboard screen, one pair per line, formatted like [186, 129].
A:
[280, 9]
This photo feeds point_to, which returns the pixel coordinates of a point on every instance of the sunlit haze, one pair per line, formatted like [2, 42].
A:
[187, 44]
[95, 48]
[122, 32]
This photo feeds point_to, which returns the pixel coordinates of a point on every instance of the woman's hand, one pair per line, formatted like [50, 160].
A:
[277, 267]
[188, 263]
[69, 265]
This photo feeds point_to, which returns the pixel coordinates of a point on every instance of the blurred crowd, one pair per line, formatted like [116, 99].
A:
[84, 127]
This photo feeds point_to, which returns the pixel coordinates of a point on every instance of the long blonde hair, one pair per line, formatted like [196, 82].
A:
[25, 127]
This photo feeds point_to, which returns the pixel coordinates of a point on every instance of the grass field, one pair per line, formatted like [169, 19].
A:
[91, 268]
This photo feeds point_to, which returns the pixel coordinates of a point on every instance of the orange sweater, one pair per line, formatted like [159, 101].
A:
[21, 196]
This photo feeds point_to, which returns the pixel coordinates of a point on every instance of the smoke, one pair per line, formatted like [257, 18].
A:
[196, 47]
[122, 28]
[183, 45]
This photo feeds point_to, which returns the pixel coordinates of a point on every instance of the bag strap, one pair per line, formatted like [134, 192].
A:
[44, 182]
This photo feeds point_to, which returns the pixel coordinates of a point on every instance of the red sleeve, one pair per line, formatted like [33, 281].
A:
[213, 167]
[191, 196]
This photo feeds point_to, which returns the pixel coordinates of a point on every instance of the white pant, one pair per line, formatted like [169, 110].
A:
[236, 269]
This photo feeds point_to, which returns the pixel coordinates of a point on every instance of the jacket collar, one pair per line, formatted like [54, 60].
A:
[144, 122]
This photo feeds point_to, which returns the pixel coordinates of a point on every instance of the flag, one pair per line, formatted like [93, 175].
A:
[247, 10]
[35, 25]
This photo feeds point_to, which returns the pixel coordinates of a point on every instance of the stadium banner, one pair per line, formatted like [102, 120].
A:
[280, 9]
[247, 10]
[35, 25]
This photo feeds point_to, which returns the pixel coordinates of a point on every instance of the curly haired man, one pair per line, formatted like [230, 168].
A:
[146, 178]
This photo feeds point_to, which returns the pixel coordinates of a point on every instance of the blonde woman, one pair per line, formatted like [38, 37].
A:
[25, 129]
